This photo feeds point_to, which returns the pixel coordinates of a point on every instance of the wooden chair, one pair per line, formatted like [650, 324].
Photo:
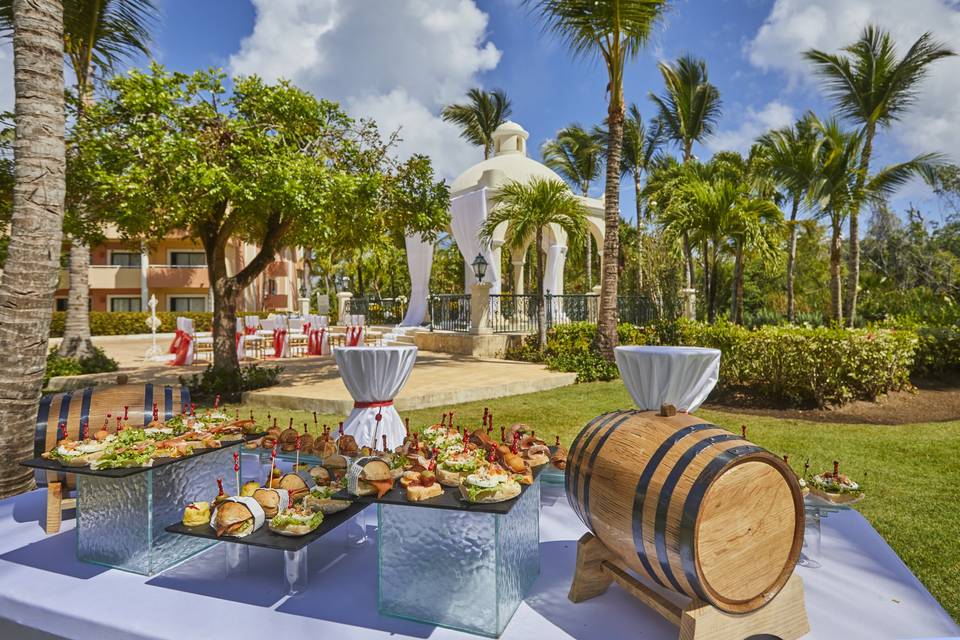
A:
[93, 405]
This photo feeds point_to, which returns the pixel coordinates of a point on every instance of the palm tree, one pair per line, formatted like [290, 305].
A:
[640, 147]
[528, 208]
[838, 188]
[688, 111]
[577, 155]
[874, 88]
[480, 117]
[30, 273]
[791, 152]
[614, 31]
[97, 36]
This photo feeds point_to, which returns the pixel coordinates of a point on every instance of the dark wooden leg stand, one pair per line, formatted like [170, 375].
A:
[784, 617]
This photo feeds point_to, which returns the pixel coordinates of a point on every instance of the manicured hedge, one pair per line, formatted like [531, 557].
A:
[112, 323]
[793, 366]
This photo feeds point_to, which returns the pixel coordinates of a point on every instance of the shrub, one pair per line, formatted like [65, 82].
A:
[96, 362]
[779, 364]
[938, 351]
[115, 323]
[207, 385]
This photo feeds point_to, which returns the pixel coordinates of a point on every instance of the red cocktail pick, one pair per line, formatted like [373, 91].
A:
[126, 408]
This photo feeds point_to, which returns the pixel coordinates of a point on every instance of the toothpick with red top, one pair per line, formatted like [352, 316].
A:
[156, 412]
[340, 430]
[786, 458]
[193, 409]
[84, 429]
[493, 455]
[558, 440]
[503, 434]
[62, 431]
[743, 431]
[273, 459]
[119, 428]
[435, 452]
[384, 436]
[406, 428]
[126, 409]
[314, 418]
[236, 469]
[221, 492]
[836, 470]
[298, 443]
[251, 414]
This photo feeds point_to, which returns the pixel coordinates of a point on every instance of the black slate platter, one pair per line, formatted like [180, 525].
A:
[263, 537]
[53, 465]
[449, 499]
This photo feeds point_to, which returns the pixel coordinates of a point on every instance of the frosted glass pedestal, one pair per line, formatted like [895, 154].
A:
[120, 521]
[459, 569]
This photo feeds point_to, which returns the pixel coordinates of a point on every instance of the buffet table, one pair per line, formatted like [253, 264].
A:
[43, 585]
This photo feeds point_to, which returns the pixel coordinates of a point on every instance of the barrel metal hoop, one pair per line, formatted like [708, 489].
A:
[593, 459]
[572, 476]
[147, 403]
[642, 484]
[167, 402]
[64, 415]
[85, 409]
[691, 508]
[666, 493]
[184, 398]
[40, 435]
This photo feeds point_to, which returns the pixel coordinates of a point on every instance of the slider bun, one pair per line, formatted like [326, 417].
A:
[502, 492]
[448, 478]
[416, 492]
[376, 470]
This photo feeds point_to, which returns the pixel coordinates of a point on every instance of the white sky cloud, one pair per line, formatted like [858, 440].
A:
[6, 76]
[794, 26]
[397, 62]
[773, 115]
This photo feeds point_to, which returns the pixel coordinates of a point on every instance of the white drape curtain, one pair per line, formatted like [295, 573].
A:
[553, 272]
[467, 214]
[419, 262]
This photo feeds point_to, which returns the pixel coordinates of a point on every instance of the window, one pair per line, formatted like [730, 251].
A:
[188, 258]
[124, 259]
[272, 286]
[124, 304]
[61, 304]
[187, 303]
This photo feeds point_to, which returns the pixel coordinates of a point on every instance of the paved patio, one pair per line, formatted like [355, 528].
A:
[313, 384]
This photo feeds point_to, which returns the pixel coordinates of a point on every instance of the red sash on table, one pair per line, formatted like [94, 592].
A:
[183, 349]
[379, 404]
[177, 339]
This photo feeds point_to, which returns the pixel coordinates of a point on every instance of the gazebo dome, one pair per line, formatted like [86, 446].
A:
[509, 157]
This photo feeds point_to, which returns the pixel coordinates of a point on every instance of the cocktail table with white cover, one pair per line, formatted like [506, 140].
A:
[374, 376]
[681, 376]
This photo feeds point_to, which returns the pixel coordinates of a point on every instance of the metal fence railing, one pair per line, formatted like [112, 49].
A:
[378, 310]
[450, 312]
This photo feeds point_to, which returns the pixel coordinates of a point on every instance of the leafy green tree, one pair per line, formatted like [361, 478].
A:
[688, 111]
[792, 155]
[529, 208]
[577, 155]
[613, 31]
[480, 117]
[873, 87]
[267, 164]
[641, 144]
[97, 36]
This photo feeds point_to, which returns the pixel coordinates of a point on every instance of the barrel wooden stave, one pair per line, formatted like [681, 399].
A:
[606, 475]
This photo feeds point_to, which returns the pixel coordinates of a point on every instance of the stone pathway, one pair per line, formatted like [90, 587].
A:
[314, 384]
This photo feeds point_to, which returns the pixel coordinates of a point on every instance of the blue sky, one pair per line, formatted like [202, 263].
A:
[399, 61]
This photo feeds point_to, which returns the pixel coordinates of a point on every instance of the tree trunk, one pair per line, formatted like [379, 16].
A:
[687, 249]
[607, 322]
[640, 232]
[76, 330]
[737, 314]
[712, 294]
[792, 259]
[707, 279]
[33, 258]
[225, 291]
[541, 299]
[836, 287]
[853, 260]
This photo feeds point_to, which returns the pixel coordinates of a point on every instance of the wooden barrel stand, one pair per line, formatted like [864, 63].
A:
[785, 616]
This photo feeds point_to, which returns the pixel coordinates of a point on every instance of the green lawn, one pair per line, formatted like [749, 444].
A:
[911, 473]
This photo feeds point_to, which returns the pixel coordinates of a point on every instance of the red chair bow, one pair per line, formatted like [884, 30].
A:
[183, 348]
[177, 340]
[279, 339]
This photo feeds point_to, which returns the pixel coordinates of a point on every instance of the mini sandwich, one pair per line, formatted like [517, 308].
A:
[77, 454]
[196, 514]
[490, 483]
[237, 517]
[272, 501]
[453, 466]
[319, 474]
[297, 484]
[336, 463]
[288, 440]
[369, 476]
[323, 448]
[537, 455]
[248, 488]
[559, 459]
[306, 442]
[347, 446]
[295, 521]
[320, 499]
[421, 485]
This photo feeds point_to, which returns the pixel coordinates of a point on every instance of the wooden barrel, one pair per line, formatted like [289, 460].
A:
[688, 505]
[91, 405]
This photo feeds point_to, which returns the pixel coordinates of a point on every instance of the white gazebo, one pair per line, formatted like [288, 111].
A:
[472, 195]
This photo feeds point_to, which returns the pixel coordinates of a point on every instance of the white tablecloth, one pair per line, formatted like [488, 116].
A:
[862, 592]
[375, 374]
[681, 376]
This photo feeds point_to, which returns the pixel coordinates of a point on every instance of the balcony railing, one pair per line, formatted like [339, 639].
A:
[450, 312]
[378, 310]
